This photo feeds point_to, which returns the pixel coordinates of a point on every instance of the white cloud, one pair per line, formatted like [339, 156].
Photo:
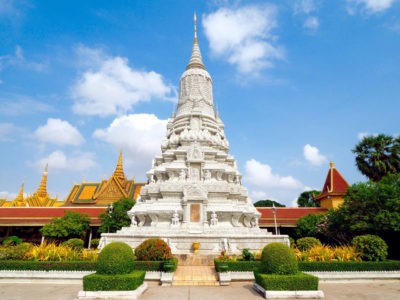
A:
[312, 155]
[243, 36]
[59, 161]
[8, 195]
[262, 183]
[311, 23]
[304, 6]
[138, 135]
[261, 175]
[18, 60]
[59, 132]
[368, 6]
[110, 86]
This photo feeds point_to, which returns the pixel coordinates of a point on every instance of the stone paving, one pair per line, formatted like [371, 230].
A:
[369, 290]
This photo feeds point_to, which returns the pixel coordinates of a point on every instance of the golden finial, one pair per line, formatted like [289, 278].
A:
[119, 170]
[20, 196]
[195, 29]
[42, 189]
[331, 164]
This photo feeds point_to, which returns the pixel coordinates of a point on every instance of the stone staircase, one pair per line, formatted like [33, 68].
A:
[195, 270]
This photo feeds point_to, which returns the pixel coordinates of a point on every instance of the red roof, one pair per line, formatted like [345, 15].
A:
[286, 216]
[335, 184]
[38, 216]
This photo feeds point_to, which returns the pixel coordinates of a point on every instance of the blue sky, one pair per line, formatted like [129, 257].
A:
[297, 84]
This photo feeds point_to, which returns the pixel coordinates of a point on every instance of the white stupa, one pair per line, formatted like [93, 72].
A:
[195, 192]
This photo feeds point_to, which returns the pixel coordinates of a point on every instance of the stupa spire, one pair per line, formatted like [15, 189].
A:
[42, 189]
[195, 60]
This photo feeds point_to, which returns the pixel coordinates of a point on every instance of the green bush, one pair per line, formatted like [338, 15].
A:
[277, 258]
[33, 265]
[387, 265]
[75, 244]
[306, 243]
[371, 247]
[247, 255]
[153, 249]
[119, 282]
[94, 243]
[14, 252]
[12, 241]
[115, 258]
[292, 282]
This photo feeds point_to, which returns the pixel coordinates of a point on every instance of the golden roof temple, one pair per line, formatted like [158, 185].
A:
[100, 193]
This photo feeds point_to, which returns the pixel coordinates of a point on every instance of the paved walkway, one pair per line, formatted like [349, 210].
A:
[371, 290]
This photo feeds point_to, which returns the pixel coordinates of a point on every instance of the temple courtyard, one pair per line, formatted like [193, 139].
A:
[368, 290]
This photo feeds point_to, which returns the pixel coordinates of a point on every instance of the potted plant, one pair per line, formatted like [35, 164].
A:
[223, 266]
[196, 246]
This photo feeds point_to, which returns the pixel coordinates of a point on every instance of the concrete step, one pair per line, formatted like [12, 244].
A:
[195, 275]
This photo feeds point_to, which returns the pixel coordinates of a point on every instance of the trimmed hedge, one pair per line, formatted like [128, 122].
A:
[292, 282]
[148, 265]
[238, 266]
[123, 282]
[387, 265]
[32, 265]
[249, 266]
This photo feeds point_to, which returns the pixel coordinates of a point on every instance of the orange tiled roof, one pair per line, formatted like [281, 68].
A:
[38, 216]
[286, 216]
[335, 184]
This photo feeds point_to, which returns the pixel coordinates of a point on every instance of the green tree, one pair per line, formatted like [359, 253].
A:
[115, 219]
[308, 226]
[268, 203]
[306, 199]
[71, 225]
[368, 208]
[377, 156]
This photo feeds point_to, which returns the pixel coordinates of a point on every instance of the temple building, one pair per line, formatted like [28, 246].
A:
[101, 193]
[105, 192]
[335, 187]
[38, 199]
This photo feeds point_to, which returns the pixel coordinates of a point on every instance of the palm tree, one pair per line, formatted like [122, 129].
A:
[377, 156]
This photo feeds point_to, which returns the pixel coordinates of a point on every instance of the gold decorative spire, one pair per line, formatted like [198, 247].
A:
[42, 189]
[19, 200]
[195, 60]
[119, 170]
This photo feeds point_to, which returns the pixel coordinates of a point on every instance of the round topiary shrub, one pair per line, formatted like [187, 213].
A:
[371, 247]
[277, 258]
[75, 244]
[115, 258]
[153, 249]
[306, 243]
